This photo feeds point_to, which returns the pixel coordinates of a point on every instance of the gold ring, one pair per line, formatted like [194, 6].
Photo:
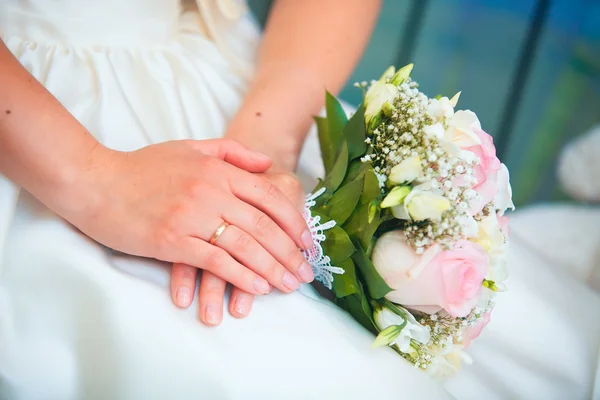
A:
[218, 232]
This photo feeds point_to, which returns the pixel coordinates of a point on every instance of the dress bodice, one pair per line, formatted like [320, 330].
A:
[110, 22]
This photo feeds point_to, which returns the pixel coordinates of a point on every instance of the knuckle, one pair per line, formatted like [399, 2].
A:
[186, 274]
[271, 193]
[212, 285]
[293, 256]
[215, 259]
[263, 223]
[165, 236]
[243, 241]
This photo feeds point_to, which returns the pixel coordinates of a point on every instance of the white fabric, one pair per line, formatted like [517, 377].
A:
[77, 321]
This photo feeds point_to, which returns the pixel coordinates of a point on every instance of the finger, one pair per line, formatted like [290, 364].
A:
[266, 197]
[240, 303]
[200, 254]
[268, 235]
[183, 284]
[235, 154]
[245, 249]
[210, 298]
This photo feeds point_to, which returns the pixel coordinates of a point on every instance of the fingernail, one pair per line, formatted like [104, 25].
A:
[212, 314]
[290, 282]
[306, 273]
[242, 304]
[262, 286]
[307, 240]
[183, 297]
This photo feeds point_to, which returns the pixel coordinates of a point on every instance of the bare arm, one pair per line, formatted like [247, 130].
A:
[42, 147]
[308, 46]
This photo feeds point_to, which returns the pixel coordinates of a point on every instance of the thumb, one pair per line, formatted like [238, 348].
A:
[235, 154]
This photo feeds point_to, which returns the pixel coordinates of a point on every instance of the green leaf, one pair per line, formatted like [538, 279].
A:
[355, 133]
[346, 283]
[371, 189]
[358, 307]
[374, 282]
[337, 120]
[328, 151]
[359, 227]
[344, 201]
[338, 245]
[338, 171]
[387, 336]
[356, 170]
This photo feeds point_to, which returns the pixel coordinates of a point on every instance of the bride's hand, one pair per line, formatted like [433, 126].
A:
[166, 201]
[212, 288]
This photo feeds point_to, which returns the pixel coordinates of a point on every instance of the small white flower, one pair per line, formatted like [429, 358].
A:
[440, 110]
[468, 224]
[385, 318]
[436, 130]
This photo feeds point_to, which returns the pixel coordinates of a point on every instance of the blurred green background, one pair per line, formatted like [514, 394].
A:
[530, 69]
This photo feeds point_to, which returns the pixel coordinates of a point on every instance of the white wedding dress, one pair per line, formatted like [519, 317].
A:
[78, 321]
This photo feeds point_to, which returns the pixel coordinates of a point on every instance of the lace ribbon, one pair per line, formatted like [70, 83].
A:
[321, 263]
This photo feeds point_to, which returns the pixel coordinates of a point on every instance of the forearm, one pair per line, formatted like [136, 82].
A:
[42, 147]
[308, 46]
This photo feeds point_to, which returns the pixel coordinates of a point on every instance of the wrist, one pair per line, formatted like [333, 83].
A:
[83, 187]
[277, 114]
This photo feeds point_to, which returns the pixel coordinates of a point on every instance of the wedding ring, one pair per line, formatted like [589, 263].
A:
[218, 232]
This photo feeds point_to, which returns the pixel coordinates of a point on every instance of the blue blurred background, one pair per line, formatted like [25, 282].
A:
[530, 69]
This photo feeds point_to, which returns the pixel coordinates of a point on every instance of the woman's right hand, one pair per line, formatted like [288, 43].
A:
[166, 201]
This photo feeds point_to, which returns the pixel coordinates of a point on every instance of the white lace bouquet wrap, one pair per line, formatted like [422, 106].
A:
[408, 223]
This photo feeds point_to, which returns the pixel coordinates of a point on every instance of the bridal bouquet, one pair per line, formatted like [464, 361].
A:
[409, 226]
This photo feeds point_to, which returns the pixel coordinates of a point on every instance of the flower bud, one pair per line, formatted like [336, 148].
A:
[407, 171]
[402, 74]
[378, 94]
[427, 206]
[395, 197]
[398, 331]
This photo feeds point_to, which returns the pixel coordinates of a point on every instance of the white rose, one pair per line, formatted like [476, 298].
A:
[421, 204]
[385, 318]
[503, 198]
[440, 110]
[461, 129]
[407, 171]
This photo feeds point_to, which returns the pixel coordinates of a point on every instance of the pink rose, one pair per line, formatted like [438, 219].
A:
[472, 332]
[485, 172]
[437, 279]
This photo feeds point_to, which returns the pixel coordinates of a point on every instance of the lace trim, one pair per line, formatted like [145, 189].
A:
[321, 264]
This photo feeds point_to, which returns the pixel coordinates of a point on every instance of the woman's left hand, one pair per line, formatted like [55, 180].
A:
[212, 288]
